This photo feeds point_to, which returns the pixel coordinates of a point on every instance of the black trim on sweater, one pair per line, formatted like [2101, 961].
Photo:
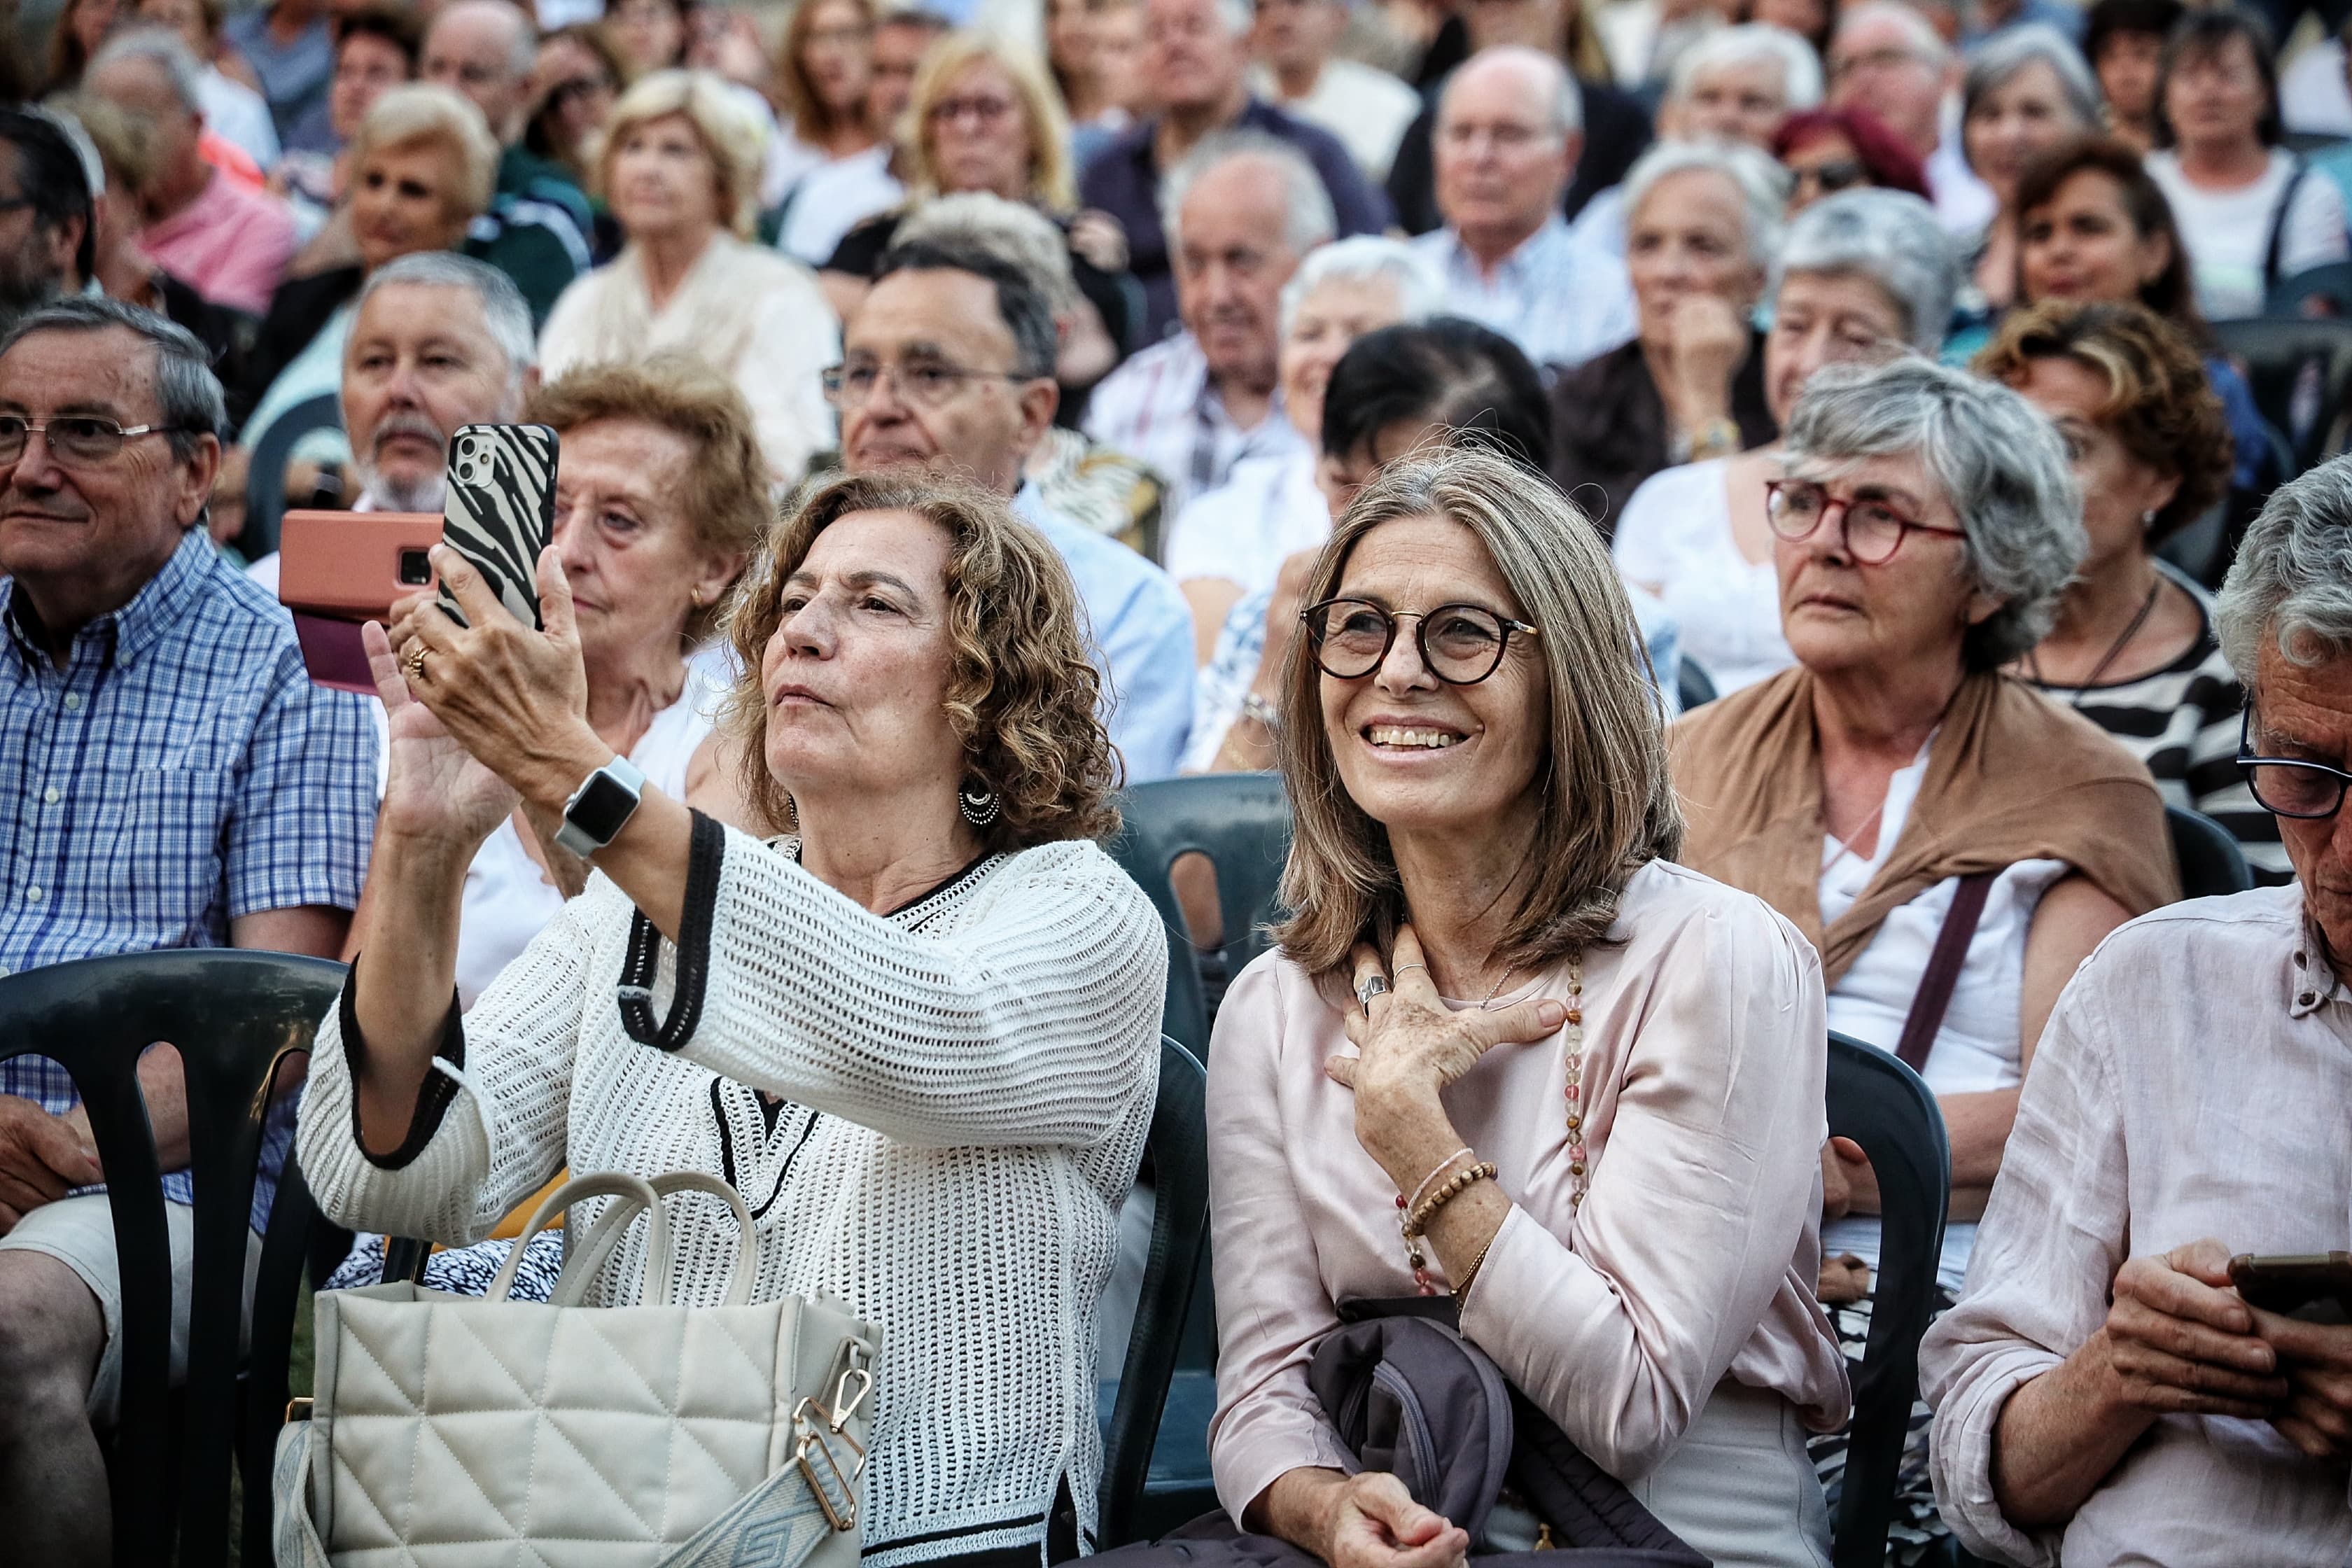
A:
[705, 857]
[433, 1097]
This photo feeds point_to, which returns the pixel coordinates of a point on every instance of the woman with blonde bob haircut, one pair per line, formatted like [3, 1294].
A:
[1500, 1014]
[938, 998]
[971, 63]
[680, 168]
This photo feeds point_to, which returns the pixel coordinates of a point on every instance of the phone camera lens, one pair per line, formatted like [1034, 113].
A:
[415, 569]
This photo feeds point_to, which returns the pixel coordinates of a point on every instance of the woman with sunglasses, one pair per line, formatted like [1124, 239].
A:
[1827, 151]
[1934, 827]
[1504, 1045]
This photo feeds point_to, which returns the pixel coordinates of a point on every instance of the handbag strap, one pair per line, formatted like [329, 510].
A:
[580, 1263]
[1933, 997]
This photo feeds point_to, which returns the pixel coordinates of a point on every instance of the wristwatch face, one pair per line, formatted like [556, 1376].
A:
[605, 805]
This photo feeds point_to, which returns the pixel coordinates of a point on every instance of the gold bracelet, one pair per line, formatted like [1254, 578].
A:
[1454, 1186]
[1470, 1274]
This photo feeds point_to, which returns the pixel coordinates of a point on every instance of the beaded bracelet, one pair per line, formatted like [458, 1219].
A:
[1435, 1171]
[1417, 1220]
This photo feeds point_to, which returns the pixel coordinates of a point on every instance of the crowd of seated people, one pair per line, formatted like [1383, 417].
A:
[1726, 523]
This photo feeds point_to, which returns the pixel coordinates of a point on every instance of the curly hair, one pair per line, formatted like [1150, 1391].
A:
[2159, 403]
[1609, 807]
[725, 497]
[1022, 694]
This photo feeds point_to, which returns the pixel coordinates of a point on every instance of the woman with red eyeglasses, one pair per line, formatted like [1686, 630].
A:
[1935, 826]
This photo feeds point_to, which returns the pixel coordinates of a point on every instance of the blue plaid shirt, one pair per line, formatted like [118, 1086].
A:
[179, 773]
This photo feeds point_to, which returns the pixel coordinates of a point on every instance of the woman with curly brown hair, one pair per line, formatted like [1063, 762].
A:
[919, 1033]
[2133, 648]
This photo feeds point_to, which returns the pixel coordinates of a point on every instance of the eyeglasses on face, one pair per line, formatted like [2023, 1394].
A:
[1461, 644]
[931, 385]
[1871, 530]
[982, 110]
[73, 437]
[1839, 174]
[2289, 786]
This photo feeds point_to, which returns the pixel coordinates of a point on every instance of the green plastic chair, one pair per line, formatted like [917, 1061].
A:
[236, 1017]
[1241, 822]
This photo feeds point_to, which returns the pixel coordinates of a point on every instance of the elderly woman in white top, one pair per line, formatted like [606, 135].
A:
[1862, 275]
[680, 169]
[1231, 542]
[1499, 987]
[938, 998]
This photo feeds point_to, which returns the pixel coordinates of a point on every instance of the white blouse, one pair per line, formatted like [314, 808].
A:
[1675, 540]
[967, 1088]
[1979, 1046]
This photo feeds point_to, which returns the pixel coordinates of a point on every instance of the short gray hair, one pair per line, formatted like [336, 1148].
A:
[2292, 580]
[1762, 185]
[1999, 463]
[1013, 230]
[1366, 259]
[1999, 60]
[1311, 218]
[1567, 98]
[168, 52]
[1926, 42]
[187, 394]
[1729, 48]
[504, 311]
[1890, 237]
[522, 53]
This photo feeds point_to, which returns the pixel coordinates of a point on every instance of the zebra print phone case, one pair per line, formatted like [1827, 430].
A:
[499, 510]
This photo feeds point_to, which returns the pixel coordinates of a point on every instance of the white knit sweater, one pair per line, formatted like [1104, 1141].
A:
[967, 1083]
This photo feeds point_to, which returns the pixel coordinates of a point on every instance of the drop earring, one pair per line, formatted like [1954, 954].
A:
[979, 804]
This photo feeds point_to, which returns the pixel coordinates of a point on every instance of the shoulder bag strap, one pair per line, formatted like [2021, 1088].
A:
[1943, 972]
[2276, 248]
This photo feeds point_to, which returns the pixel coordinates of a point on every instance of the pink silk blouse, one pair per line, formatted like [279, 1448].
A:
[1695, 1253]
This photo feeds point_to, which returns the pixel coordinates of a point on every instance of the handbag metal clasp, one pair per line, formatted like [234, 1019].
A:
[836, 1491]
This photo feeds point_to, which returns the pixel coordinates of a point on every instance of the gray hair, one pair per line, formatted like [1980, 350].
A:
[1367, 258]
[1999, 60]
[1013, 230]
[522, 51]
[1762, 185]
[1238, 15]
[164, 49]
[1311, 220]
[1999, 463]
[504, 311]
[1890, 237]
[2292, 580]
[1567, 98]
[1750, 42]
[1926, 42]
[187, 394]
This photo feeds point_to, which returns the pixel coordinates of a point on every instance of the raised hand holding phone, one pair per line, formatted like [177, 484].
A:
[499, 511]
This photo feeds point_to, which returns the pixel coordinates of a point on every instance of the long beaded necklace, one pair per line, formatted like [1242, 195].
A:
[1579, 1164]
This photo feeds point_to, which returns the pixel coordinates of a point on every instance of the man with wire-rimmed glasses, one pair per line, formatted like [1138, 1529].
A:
[169, 777]
[2103, 1391]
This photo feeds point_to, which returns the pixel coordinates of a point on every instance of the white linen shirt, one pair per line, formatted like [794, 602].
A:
[2193, 1082]
[1162, 407]
[1561, 300]
[1267, 510]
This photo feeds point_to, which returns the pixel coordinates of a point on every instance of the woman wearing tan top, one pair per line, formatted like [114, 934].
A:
[1496, 989]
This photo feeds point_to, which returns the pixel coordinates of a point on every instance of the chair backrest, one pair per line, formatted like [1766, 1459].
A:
[265, 477]
[1179, 1228]
[1241, 822]
[2211, 862]
[1882, 1105]
[1694, 688]
[2275, 351]
[2315, 290]
[235, 1017]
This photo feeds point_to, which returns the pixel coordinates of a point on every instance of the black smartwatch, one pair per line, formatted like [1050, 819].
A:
[600, 807]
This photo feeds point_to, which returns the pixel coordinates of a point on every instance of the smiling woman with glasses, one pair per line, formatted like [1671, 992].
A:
[1936, 827]
[1471, 1065]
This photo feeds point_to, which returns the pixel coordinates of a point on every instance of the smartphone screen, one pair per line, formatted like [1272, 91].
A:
[499, 511]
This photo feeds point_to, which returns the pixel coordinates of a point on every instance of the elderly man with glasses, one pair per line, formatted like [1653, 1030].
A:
[173, 779]
[2104, 1393]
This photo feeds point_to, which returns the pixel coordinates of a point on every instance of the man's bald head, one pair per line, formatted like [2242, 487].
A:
[485, 49]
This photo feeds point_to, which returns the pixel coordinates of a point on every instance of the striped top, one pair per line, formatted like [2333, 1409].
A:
[2182, 722]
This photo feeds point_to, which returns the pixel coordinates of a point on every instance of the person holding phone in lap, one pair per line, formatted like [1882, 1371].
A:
[2104, 1393]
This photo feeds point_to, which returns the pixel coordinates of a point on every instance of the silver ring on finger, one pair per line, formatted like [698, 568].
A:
[1371, 985]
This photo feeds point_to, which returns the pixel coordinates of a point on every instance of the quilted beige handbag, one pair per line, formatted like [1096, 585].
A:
[462, 1432]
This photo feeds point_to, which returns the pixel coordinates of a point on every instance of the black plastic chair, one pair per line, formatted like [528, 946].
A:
[1242, 823]
[1694, 688]
[236, 1017]
[2211, 862]
[265, 478]
[2315, 291]
[2276, 352]
[1180, 1230]
[1882, 1105]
